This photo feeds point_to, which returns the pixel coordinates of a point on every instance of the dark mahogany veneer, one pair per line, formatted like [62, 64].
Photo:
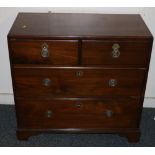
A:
[79, 73]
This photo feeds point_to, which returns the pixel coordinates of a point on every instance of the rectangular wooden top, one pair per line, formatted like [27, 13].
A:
[76, 26]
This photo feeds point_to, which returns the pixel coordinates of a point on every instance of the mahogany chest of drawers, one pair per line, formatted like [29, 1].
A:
[79, 73]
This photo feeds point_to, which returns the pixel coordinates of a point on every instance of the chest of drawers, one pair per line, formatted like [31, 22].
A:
[79, 73]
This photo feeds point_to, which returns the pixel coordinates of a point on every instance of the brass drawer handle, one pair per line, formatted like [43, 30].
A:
[79, 73]
[115, 52]
[112, 82]
[46, 82]
[48, 114]
[44, 51]
[78, 104]
[109, 113]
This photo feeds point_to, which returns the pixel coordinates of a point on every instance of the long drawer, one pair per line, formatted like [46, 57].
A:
[51, 82]
[115, 53]
[70, 114]
[54, 52]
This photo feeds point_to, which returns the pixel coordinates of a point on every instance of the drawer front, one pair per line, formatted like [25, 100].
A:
[115, 53]
[45, 52]
[78, 114]
[82, 82]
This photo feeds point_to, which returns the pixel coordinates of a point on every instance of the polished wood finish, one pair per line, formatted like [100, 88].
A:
[132, 53]
[59, 52]
[80, 87]
[78, 114]
[68, 25]
[66, 82]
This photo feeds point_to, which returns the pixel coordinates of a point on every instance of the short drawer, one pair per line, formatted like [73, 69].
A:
[120, 53]
[53, 52]
[57, 114]
[78, 82]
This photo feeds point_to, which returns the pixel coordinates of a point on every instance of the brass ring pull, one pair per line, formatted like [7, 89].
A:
[46, 82]
[48, 113]
[115, 52]
[112, 82]
[44, 51]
